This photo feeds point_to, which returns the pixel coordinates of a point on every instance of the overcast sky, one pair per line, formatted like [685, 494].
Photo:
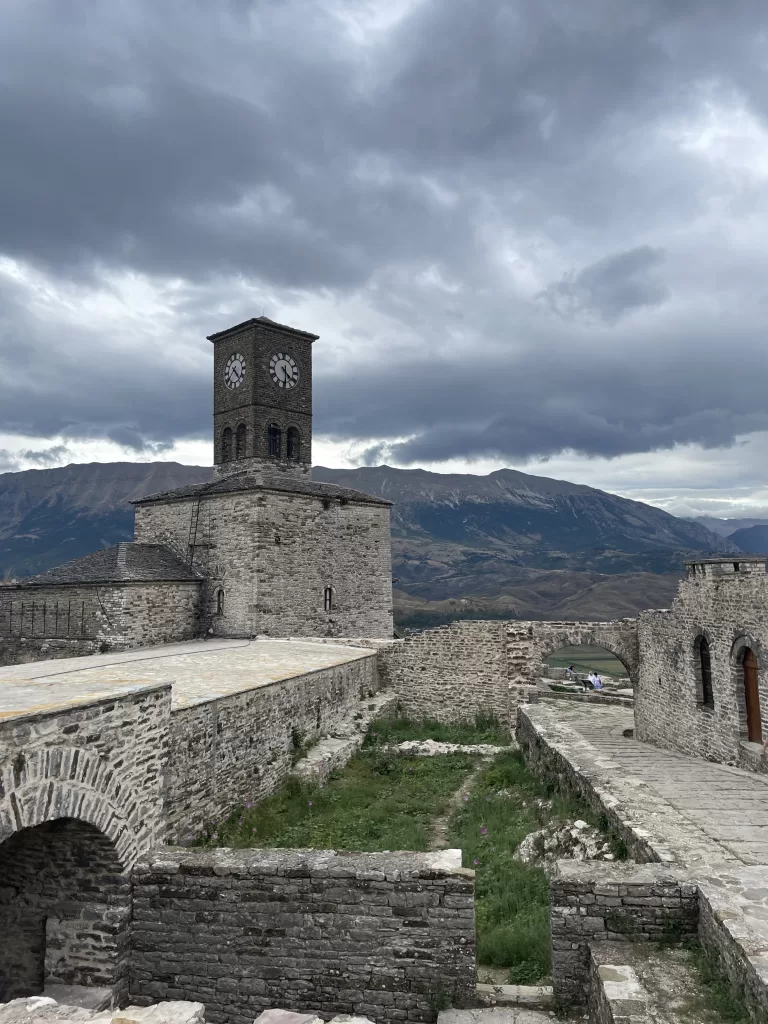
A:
[529, 234]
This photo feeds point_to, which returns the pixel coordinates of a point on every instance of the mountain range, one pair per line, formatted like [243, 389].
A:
[506, 544]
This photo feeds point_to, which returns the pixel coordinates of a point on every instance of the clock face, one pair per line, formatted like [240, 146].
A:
[283, 370]
[234, 371]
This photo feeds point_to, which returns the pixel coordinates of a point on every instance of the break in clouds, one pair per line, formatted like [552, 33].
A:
[519, 228]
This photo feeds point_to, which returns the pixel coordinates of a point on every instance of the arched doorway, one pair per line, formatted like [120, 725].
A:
[751, 696]
[64, 910]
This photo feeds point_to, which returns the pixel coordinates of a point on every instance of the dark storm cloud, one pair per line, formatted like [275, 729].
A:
[611, 286]
[498, 198]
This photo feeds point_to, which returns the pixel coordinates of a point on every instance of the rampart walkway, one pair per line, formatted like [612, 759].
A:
[692, 811]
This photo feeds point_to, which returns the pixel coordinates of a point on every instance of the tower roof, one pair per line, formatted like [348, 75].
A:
[262, 321]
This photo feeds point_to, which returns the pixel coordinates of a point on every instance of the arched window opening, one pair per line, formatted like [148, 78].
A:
[219, 602]
[274, 440]
[242, 434]
[328, 599]
[226, 444]
[69, 900]
[294, 444]
[703, 661]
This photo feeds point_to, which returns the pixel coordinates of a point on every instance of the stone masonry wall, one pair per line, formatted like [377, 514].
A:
[618, 903]
[728, 610]
[389, 936]
[531, 643]
[451, 672]
[101, 765]
[64, 909]
[239, 748]
[273, 554]
[47, 622]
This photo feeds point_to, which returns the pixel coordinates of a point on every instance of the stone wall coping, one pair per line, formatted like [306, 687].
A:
[190, 702]
[65, 705]
[381, 867]
[619, 873]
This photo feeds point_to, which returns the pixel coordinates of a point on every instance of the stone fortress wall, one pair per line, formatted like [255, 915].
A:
[380, 934]
[237, 748]
[68, 621]
[87, 789]
[476, 666]
[727, 606]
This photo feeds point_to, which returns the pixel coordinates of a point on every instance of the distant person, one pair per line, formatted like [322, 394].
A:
[569, 672]
[590, 681]
[597, 682]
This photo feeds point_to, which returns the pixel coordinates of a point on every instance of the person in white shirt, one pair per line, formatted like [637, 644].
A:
[591, 679]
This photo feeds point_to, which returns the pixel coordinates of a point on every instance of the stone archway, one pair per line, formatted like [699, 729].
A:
[71, 829]
[531, 643]
[65, 905]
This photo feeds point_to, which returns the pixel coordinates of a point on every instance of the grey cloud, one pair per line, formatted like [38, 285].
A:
[252, 149]
[610, 287]
[53, 456]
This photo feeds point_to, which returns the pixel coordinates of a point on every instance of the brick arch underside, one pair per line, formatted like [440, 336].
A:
[620, 640]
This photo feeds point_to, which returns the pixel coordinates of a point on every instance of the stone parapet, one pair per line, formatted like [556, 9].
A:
[387, 935]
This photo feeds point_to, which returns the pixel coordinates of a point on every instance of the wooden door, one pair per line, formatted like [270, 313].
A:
[752, 698]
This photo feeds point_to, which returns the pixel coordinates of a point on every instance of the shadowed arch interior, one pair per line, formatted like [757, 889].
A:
[65, 910]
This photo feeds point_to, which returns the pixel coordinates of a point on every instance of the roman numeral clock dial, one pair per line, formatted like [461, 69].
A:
[234, 371]
[283, 370]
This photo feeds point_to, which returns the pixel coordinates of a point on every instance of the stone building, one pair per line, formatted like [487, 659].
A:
[703, 666]
[261, 550]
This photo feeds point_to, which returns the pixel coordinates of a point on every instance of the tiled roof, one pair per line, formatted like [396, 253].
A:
[234, 484]
[121, 563]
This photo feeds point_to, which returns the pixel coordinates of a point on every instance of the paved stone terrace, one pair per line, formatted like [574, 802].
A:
[710, 819]
[199, 671]
[690, 810]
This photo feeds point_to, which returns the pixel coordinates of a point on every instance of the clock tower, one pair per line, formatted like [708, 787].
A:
[262, 401]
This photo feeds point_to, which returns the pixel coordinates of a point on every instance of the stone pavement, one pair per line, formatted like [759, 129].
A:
[199, 670]
[691, 810]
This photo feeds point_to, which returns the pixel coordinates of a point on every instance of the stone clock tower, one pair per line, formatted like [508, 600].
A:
[262, 401]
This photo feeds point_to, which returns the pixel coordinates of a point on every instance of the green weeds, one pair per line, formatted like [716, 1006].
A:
[378, 802]
[486, 728]
[511, 898]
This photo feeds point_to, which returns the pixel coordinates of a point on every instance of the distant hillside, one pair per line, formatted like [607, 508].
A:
[753, 540]
[48, 516]
[509, 542]
[727, 527]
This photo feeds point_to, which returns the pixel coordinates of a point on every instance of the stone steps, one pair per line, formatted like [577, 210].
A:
[640, 983]
[334, 751]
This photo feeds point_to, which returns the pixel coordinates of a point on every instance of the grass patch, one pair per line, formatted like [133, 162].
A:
[511, 899]
[378, 802]
[721, 1001]
[485, 728]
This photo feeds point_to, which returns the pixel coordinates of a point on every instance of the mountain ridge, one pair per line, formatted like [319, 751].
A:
[508, 540]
